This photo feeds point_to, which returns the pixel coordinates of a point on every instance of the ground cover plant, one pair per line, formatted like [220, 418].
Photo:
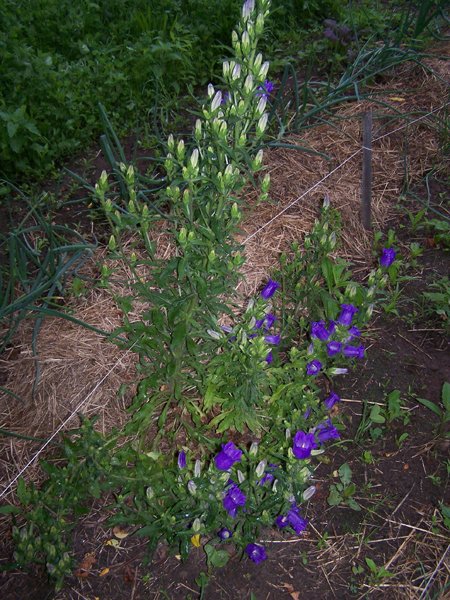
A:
[236, 406]
[138, 61]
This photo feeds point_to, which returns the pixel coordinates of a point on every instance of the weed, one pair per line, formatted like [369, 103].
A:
[342, 492]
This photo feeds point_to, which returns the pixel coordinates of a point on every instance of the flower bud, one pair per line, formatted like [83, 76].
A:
[309, 492]
[214, 334]
[112, 243]
[211, 256]
[194, 158]
[245, 42]
[216, 101]
[258, 62]
[247, 9]
[196, 525]
[241, 476]
[198, 129]
[259, 25]
[248, 84]
[236, 72]
[257, 161]
[225, 68]
[171, 143]
[210, 90]
[262, 124]
[235, 212]
[253, 449]
[180, 150]
[265, 184]
[264, 70]
[261, 106]
[192, 487]
[182, 236]
[261, 468]
[326, 202]
[197, 468]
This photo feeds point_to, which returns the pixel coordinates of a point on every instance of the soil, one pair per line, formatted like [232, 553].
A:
[400, 491]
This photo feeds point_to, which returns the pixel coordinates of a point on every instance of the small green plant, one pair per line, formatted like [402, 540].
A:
[438, 300]
[377, 574]
[343, 492]
[440, 230]
[442, 412]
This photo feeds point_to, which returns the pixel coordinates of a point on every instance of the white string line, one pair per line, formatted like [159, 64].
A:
[313, 187]
[62, 425]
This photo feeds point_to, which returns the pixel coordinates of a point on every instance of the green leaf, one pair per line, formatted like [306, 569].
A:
[334, 497]
[431, 406]
[345, 474]
[445, 395]
[9, 509]
[22, 491]
[216, 558]
[375, 414]
[179, 335]
[372, 566]
[351, 503]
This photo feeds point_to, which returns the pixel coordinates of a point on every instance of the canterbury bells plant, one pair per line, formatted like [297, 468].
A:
[233, 406]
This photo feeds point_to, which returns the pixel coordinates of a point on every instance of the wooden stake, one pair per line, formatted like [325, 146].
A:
[366, 186]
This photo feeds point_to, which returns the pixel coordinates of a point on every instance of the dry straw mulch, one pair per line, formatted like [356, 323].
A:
[74, 360]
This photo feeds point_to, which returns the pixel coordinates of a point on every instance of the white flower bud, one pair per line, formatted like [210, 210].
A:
[258, 159]
[248, 84]
[196, 525]
[247, 9]
[261, 468]
[309, 492]
[245, 42]
[192, 487]
[258, 62]
[210, 90]
[253, 449]
[216, 101]
[261, 105]
[236, 73]
[214, 334]
[194, 158]
[198, 128]
[225, 68]
[262, 124]
[264, 70]
[241, 476]
[197, 468]
[326, 202]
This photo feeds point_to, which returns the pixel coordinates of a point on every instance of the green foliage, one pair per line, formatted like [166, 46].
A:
[442, 412]
[438, 300]
[440, 230]
[377, 574]
[342, 492]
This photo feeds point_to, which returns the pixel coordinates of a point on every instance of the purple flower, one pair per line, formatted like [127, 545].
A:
[268, 477]
[313, 367]
[319, 331]
[265, 89]
[333, 348]
[327, 431]
[307, 413]
[234, 498]
[256, 552]
[296, 521]
[269, 320]
[273, 339]
[227, 456]
[347, 312]
[387, 257]
[281, 521]
[226, 328]
[329, 33]
[353, 351]
[303, 443]
[332, 399]
[269, 358]
[225, 97]
[182, 460]
[354, 332]
[224, 533]
[269, 289]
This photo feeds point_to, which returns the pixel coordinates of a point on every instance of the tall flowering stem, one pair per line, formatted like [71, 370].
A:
[181, 298]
